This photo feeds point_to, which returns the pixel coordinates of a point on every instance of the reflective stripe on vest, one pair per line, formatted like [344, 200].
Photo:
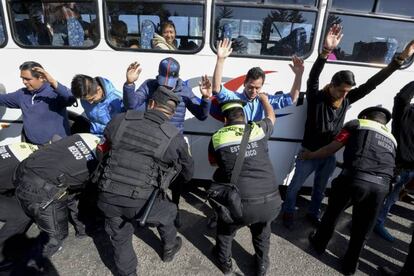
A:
[232, 135]
[377, 127]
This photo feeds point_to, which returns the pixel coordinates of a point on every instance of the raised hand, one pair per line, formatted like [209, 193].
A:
[133, 72]
[44, 74]
[224, 48]
[333, 37]
[297, 66]
[205, 87]
[263, 96]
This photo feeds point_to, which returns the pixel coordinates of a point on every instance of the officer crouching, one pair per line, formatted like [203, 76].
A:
[369, 162]
[256, 182]
[45, 184]
[143, 154]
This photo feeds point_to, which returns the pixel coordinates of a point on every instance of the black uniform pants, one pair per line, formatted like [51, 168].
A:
[367, 199]
[13, 218]
[120, 223]
[33, 192]
[258, 218]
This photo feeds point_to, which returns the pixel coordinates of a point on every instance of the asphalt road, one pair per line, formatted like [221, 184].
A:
[289, 254]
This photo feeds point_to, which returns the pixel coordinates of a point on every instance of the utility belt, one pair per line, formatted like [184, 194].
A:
[366, 177]
[36, 189]
[260, 199]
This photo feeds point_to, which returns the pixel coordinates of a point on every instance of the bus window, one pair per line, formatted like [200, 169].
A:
[400, 7]
[265, 31]
[363, 40]
[140, 25]
[2, 28]
[357, 5]
[57, 24]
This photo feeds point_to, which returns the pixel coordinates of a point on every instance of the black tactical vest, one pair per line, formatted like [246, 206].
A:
[371, 148]
[133, 164]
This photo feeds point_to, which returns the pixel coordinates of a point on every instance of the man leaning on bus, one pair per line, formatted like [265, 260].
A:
[253, 84]
[43, 102]
[325, 116]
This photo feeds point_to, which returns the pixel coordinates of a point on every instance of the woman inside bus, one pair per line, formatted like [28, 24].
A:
[165, 41]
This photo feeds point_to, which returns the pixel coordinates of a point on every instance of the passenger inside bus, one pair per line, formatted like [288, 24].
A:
[118, 34]
[166, 39]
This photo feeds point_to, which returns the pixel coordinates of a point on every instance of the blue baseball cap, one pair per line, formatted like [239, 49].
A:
[168, 72]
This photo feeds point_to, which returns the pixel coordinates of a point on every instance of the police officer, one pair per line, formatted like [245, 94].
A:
[44, 182]
[13, 219]
[256, 182]
[369, 162]
[143, 153]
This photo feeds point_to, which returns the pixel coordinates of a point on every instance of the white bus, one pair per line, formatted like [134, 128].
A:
[265, 33]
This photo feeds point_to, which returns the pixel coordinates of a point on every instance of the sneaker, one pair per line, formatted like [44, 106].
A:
[383, 233]
[314, 245]
[226, 267]
[168, 254]
[314, 220]
[287, 219]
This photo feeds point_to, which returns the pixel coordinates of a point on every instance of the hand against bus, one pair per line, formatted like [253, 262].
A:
[205, 87]
[224, 49]
[133, 72]
[304, 155]
[297, 66]
[333, 37]
[44, 74]
[408, 51]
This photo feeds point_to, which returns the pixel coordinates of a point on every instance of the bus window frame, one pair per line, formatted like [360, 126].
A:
[3, 22]
[350, 12]
[13, 32]
[184, 52]
[315, 8]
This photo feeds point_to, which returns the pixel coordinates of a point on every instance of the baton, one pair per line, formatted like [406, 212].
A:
[148, 208]
[56, 197]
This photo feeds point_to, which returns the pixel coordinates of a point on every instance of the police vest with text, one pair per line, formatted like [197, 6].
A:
[371, 148]
[134, 163]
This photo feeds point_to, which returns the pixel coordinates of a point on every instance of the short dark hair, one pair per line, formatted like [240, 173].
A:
[344, 76]
[83, 86]
[29, 65]
[377, 116]
[234, 114]
[165, 24]
[255, 73]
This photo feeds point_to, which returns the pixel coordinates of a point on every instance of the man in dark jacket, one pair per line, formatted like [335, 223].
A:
[325, 116]
[256, 181]
[369, 162]
[143, 154]
[43, 103]
[402, 128]
[168, 75]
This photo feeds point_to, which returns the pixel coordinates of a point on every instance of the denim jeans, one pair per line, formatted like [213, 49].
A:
[323, 169]
[404, 177]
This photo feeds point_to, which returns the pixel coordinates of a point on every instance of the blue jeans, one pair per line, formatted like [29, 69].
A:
[404, 177]
[323, 169]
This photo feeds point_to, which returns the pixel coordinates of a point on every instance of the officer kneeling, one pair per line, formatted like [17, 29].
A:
[256, 181]
[369, 161]
[45, 183]
[143, 154]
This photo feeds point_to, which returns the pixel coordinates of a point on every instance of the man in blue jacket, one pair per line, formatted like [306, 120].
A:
[168, 75]
[100, 100]
[43, 102]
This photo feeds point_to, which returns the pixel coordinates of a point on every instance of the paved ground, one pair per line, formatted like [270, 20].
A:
[289, 253]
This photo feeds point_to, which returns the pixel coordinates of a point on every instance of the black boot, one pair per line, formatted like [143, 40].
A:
[168, 254]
